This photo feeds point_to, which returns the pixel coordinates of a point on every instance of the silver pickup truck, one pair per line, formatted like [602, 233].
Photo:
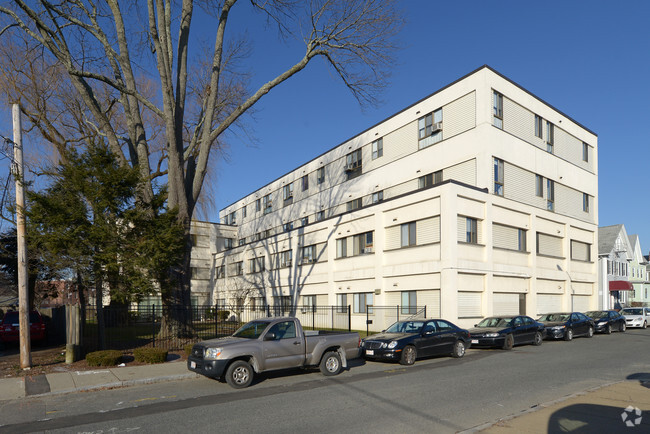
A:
[269, 344]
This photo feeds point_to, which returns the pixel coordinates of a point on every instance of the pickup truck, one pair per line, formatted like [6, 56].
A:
[269, 344]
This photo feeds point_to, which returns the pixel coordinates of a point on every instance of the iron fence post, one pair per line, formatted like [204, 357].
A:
[349, 318]
[397, 308]
[216, 320]
[153, 325]
[425, 310]
[313, 317]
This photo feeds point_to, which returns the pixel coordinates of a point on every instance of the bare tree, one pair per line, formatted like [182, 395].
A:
[100, 46]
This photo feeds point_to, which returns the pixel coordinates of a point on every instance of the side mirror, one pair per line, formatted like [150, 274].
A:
[475, 325]
[269, 336]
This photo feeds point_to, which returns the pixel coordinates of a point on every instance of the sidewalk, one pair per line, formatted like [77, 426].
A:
[619, 407]
[100, 378]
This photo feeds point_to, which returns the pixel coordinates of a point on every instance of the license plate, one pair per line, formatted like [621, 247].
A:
[193, 365]
[370, 352]
[475, 341]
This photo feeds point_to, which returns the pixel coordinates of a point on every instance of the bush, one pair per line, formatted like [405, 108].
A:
[223, 315]
[188, 349]
[150, 355]
[104, 358]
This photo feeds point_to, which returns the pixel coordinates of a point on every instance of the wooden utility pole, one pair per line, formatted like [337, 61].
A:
[23, 294]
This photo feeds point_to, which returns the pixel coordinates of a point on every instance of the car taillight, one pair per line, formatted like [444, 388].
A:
[359, 343]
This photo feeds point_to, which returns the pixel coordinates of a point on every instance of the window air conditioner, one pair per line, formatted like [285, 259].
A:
[435, 127]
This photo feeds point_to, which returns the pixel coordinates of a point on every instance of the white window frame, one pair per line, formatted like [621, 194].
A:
[498, 176]
[378, 148]
[408, 235]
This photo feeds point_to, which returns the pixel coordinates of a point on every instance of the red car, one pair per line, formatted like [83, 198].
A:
[9, 327]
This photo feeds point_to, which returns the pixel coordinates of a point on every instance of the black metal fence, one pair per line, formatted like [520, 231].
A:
[131, 327]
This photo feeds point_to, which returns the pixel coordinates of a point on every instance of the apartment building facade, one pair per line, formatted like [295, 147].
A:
[480, 199]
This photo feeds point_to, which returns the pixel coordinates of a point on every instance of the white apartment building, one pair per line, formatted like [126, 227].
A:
[480, 199]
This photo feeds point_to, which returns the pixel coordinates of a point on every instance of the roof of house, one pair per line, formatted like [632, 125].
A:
[607, 238]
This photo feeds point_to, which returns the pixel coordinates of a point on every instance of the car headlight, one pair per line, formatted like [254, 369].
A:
[558, 327]
[602, 321]
[212, 353]
[392, 344]
[492, 335]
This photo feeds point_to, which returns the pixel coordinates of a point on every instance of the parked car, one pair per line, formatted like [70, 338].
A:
[607, 320]
[567, 325]
[636, 316]
[270, 344]
[10, 332]
[507, 331]
[406, 341]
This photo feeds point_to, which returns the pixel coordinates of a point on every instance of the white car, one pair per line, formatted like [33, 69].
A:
[636, 316]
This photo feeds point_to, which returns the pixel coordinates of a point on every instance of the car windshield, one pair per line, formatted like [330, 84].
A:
[251, 330]
[555, 317]
[631, 311]
[495, 322]
[597, 314]
[406, 327]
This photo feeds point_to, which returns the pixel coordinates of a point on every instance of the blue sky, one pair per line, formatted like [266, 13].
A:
[589, 59]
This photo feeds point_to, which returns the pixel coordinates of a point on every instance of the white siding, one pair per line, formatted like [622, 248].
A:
[505, 304]
[505, 237]
[459, 116]
[470, 304]
[549, 245]
[581, 303]
[428, 230]
[549, 303]
[430, 299]
[463, 172]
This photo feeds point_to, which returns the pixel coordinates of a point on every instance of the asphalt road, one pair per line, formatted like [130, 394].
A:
[434, 395]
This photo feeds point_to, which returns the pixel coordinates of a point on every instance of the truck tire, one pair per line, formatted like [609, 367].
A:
[239, 374]
[331, 364]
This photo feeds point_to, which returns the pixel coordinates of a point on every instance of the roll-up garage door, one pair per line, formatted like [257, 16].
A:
[581, 303]
[505, 303]
[548, 303]
[469, 304]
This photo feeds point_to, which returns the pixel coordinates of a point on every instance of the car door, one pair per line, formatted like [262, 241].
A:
[428, 340]
[447, 337]
[577, 325]
[519, 332]
[283, 346]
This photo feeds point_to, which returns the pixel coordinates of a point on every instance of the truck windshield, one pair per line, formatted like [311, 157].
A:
[251, 330]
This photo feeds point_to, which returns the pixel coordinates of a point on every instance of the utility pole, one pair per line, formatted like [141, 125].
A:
[23, 295]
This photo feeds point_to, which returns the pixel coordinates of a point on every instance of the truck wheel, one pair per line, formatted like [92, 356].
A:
[409, 354]
[331, 364]
[459, 349]
[239, 374]
[509, 342]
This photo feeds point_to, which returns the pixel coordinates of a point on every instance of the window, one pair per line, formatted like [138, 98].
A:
[243, 211]
[409, 302]
[538, 126]
[231, 219]
[430, 129]
[497, 109]
[309, 254]
[221, 272]
[342, 248]
[304, 221]
[238, 268]
[287, 193]
[242, 241]
[258, 236]
[521, 238]
[550, 128]
[195, 240]
[341, 303]
[308, 303]
[471, 230]
[585, 202]
[258, 303]
[498, 177]
[258, 205]
[353, 164]
[267, 233]
[284, 330]
[408, 235]
[285, 259]
[362, 243]
[228, 243]
[320, 175]
[267, 204]
[305, 183]
[256, 265]
[287, 226]
[362, 303]
[549, 245]
[550, 195]
[354, 204]
[320, 215]
[539, 186]
[508, 237]
[378, 197]
[580, 251]
[377, 148]
[430, 179]
[585, 152]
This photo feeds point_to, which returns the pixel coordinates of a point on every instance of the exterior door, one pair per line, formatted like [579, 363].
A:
[286, 349]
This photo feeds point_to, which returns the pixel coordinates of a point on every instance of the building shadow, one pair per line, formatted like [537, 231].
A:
[643, 377]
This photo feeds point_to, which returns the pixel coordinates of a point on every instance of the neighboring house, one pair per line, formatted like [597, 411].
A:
[479, 199]
[615, 254]
[638, 274]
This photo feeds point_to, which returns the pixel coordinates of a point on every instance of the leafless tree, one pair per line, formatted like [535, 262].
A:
[100, 46]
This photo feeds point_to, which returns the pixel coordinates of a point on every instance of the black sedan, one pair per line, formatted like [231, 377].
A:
[405, 341]
[607, 320]
[507, 331]
[567, 325]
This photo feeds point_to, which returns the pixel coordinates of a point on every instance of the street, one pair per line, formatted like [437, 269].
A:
[434, 395]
